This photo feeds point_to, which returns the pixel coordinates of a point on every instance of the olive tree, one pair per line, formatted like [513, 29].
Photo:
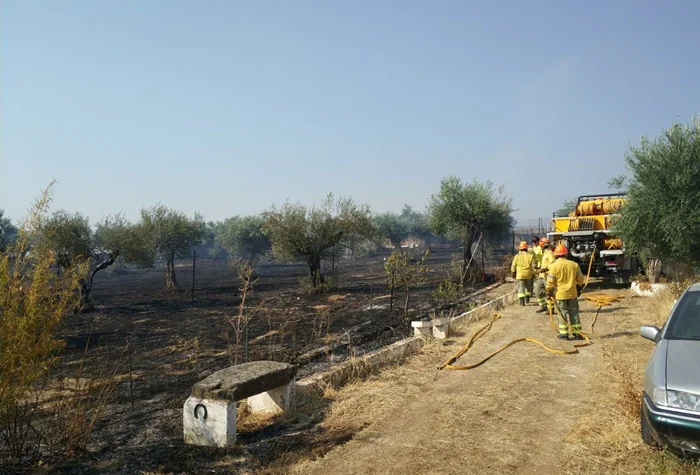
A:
[418, 223]
[392, 227]
[395, 227]
[309, 234]
[115, 237]
[170, 234]
[243, 237]
[659, 219]
[461, 211]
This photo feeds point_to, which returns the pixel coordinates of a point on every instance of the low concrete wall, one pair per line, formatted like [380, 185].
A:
[486, 309]
[360, 367]
[364, 365]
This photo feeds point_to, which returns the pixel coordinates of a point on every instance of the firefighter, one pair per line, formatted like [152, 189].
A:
[523, 271]
[536, 252]
[564, 279]
[541, 276]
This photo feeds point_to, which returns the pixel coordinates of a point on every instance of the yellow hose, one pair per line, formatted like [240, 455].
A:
[612, 243]
[599, 206]
[588, 274]
[483, 330]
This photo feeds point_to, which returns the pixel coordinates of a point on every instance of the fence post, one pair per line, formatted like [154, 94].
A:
[483, 266]
[246, 341]
[391, 298]
[194, 263]
[131, 380]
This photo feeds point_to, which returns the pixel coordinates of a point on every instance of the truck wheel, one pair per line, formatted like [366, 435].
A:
[647, 435]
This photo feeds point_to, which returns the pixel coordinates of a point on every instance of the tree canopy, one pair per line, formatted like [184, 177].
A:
[116, 236]
[68, 235]
[417, 222]
[243, 237]
[396, 227]
[661, 213]
[567, 207]
[393, 227]
[309, 234]
[461, 211]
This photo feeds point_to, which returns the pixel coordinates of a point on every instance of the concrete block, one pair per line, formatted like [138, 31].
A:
[209, 422]
[422, 328]
[441, 328]
[274, 401]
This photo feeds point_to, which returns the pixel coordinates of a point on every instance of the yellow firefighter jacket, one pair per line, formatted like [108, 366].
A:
[522, 266]
[564, 275]
[547, 260]
[536, 252]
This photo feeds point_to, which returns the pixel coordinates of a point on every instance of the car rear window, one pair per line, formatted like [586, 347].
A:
[685, 322]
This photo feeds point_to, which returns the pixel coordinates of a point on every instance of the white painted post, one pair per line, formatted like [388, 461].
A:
[441, 328]
[422, 328]
[209, 422]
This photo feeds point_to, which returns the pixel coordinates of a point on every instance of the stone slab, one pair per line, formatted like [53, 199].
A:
[244, 380]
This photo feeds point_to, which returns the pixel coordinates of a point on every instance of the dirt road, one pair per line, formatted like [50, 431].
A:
[507, 416]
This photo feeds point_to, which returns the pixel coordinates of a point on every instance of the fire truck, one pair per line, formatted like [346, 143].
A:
[587, 233]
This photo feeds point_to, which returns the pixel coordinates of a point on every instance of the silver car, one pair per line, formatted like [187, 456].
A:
[671, 398]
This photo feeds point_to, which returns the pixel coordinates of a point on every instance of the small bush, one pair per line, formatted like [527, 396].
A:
[447, 292]
[34, 298]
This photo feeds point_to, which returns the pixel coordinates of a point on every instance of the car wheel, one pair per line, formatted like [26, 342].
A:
[647, 435]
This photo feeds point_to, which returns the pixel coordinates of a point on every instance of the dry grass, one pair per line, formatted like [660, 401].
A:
[606, 438]
[338, 298]
[344, 413]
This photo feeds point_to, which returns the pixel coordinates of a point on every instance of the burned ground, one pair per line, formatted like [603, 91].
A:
[159, 344]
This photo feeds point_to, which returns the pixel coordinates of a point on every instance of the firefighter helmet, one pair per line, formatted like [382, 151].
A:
[561, 250]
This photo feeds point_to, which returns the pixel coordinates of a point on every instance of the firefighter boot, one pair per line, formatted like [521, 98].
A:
[522, 301]
[527, 300]
[541, 310]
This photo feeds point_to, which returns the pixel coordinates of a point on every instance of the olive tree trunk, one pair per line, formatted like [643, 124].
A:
[315, 271]
[653, 270]
[466, 257]
[86, 304]
[170, 278]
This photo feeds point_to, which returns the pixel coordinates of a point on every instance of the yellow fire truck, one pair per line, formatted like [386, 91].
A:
[587, 233]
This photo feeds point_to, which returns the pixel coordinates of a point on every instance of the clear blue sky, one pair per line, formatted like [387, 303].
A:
[226, 107]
